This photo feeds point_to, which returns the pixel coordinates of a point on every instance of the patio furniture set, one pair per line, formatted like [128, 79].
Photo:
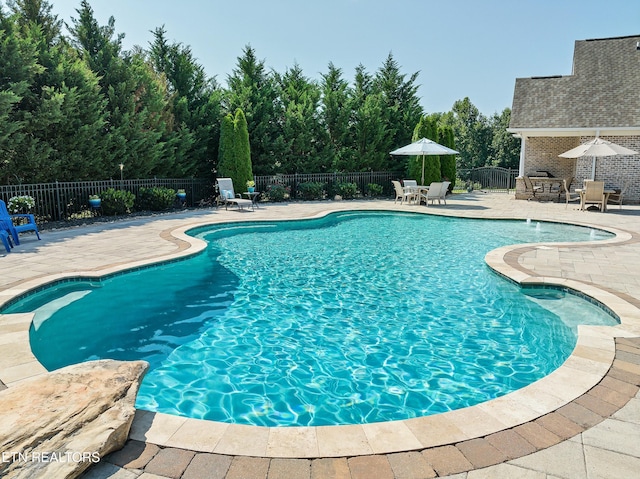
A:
[595, 193]
[411, 192]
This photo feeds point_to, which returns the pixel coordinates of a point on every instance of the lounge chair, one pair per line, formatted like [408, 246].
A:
[593, 194]
[569, 197]
[228, 195]
[403, 194]
[13, 229]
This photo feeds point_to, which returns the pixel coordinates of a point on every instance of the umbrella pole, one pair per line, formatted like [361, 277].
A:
[593, 169]
[422, 181]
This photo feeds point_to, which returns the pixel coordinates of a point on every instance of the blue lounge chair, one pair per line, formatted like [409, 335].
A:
[14, 230]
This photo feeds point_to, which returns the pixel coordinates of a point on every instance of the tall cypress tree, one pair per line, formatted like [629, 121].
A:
[234, 157]
[243, 149]
[447, 162]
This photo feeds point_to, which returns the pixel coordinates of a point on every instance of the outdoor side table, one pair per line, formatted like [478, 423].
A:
[253, 196]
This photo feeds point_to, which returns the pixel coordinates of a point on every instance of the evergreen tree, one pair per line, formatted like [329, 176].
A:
[448, 169]
[252, 89]
[61, 111]
[194, 100]
[505, 149]
[301, 138]
[234, 158]
[136, 134]
[473, 135]
[18, 69]
[37, 13]
[335, 113]
[368, 128]
[402, 109]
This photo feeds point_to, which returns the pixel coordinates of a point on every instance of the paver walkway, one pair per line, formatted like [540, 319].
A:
[594, 432]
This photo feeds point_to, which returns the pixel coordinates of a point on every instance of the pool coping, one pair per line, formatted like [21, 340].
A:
[588, 365]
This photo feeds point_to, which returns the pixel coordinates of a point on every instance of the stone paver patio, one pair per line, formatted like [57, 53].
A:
[582, 421]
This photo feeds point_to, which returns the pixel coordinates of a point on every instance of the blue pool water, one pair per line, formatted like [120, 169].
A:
[353, 318]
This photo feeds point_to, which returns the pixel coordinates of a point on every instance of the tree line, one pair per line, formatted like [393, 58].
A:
[74, 105]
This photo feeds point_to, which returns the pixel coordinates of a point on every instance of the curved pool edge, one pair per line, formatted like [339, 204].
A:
[585, 368]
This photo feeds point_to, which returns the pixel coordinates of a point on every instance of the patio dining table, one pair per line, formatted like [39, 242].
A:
[607, 192]
[417, 190]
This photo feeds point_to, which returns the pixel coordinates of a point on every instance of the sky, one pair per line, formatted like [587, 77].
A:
[461, 48]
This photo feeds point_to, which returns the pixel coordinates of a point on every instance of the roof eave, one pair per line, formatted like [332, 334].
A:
[567, 132]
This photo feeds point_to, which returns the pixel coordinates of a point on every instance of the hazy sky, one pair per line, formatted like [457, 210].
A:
[474, 48]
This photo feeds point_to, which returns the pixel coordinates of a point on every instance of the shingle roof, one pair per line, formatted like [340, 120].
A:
[603, 91]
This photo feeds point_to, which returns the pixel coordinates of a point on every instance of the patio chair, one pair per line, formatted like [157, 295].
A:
[445, 190]
[13, 229]
[593, 194]
[435, 192]
[228, 195]
[617, 197]
[403, 194]
[5, 236]
[412, 187]
[566, 183]
[530, 188]
[569, 197]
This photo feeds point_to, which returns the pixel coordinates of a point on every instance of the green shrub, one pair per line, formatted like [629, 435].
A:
[311, 190]
[277, 193]
[116, 202]
[157, 198]
[20, 204]
[374, 189]
[348, 191]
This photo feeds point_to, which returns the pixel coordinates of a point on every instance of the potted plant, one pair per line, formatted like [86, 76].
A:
[181, 194]
[94, 201]
[251, 186]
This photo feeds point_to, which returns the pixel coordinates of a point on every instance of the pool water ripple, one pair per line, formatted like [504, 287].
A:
[347, 319]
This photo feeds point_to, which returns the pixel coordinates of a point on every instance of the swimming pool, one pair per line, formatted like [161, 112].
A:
[356, 317]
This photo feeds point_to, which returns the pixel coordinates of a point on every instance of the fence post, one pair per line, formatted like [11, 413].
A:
[58, 201]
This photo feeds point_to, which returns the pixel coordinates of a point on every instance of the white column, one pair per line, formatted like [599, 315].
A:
[523, 144]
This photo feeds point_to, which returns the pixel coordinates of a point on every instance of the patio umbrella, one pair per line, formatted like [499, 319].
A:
[597, 148]
[423, 147]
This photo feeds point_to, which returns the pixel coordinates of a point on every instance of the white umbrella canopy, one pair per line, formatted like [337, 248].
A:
[597, 148]
[424, 147]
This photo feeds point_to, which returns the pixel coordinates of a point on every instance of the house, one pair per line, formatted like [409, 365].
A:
[601, 98]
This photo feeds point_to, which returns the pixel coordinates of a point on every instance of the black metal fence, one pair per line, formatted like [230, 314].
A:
[490, 178]
[362, 179]
[62, 200]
